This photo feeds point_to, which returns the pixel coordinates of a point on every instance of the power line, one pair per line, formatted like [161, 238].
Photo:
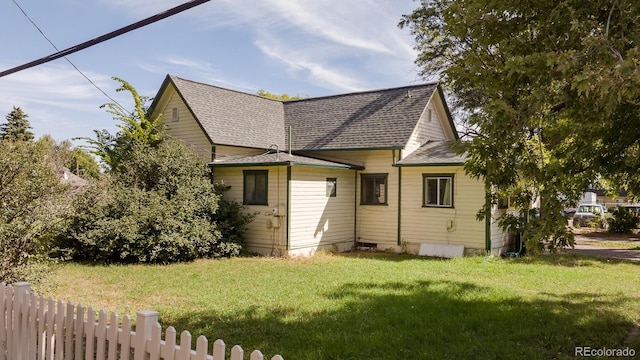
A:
[66, 58]
[95, 41]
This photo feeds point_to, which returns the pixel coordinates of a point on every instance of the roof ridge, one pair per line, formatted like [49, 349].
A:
[364, 92]
[173, 77]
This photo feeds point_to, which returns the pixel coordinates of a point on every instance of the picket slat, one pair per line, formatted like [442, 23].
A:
[69, 331]
[42, 335]
[89, 331]
[101, 335]
[59, 324]
[79, 334]
[112, 337]
[124, 338]
[184, 352]
[153, 345]
[218, 350]
[237, 353]
[3, 325]
[33, 327]
[168, 350]
[32, 352]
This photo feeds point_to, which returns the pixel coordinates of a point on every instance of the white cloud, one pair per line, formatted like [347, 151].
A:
[325, 76]
[58, 100]
[330, 39]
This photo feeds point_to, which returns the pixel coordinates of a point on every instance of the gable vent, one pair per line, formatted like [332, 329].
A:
[174, 115]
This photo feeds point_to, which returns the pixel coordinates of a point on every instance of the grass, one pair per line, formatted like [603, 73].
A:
[379, 306]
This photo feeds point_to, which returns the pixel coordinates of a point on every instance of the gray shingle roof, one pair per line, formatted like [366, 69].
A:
[433, 153]
[380, 119]
[282, 158]
[365, 120]
[230, 117]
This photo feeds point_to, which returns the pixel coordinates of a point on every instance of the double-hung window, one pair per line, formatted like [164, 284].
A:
[438, 190]
[255, 187]
[373, 189]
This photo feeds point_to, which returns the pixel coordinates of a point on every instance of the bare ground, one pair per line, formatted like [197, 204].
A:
[604, 244]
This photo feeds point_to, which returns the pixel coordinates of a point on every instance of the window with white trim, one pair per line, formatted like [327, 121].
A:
[437, 190]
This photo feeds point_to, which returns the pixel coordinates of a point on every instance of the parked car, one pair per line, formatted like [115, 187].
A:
[570, 211]
[634, 208]
[586, 213]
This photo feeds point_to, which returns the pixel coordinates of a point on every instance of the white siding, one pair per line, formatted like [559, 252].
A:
[317, 221]
[375, 223]
[457, 225]
[186, 128]
[261, 236]
[500, 240]
[438, 128]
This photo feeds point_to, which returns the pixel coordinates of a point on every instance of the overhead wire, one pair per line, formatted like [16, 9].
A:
[86, 44]
[105, 37]
[66, 58]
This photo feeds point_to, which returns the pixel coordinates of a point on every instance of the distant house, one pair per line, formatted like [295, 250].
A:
[76, 183]
[370, 168]
[606, 198]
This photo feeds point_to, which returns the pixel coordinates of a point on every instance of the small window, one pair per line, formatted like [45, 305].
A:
[503, 202]
[438, 190]
[373, 190]
[331, 187]
[255, 187]
[174, 115]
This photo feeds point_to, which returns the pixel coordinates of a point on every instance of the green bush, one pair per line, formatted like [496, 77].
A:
[623, 221]
[232, 218]
[158, 207]
[31, 199]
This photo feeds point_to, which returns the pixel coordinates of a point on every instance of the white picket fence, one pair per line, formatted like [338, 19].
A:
[33, 327]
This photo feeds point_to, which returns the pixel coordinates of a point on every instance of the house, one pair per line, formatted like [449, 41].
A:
[606, 198]
[370, 168]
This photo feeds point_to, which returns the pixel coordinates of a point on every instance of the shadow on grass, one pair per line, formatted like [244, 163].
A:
[573, 259]
[419, 320]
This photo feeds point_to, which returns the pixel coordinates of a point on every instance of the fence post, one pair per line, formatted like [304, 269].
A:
[144, 323]
[20, 341]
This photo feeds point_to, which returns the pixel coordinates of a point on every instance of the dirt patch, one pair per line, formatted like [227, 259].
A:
[604, 244]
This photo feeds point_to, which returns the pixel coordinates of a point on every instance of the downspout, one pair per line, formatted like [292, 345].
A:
[487, 217]
[288, 231]
[399, 234]
[355, 209]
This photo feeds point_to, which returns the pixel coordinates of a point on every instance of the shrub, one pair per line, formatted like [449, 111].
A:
[231, 218]
[158, 207]
[31, 198]
[623, 221]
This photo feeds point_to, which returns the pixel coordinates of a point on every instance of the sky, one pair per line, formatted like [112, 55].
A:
[303, 47]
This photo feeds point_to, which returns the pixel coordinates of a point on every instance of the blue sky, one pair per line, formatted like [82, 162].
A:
[305, 47]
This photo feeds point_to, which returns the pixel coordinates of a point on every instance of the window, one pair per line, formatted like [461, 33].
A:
[332, 183]
[174, 115]
[373, 189]
[438, 190]
[503, 202]
[255, 187]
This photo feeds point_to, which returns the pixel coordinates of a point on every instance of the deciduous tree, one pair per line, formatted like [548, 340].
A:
[135, 127]
[31, 199]
[552, 96]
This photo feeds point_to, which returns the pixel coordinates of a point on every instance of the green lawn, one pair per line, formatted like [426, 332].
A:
[379, 306]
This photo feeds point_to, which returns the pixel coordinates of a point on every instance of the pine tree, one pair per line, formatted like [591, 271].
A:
[17, 126]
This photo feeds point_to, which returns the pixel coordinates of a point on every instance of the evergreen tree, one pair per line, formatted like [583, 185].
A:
[17, 126]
